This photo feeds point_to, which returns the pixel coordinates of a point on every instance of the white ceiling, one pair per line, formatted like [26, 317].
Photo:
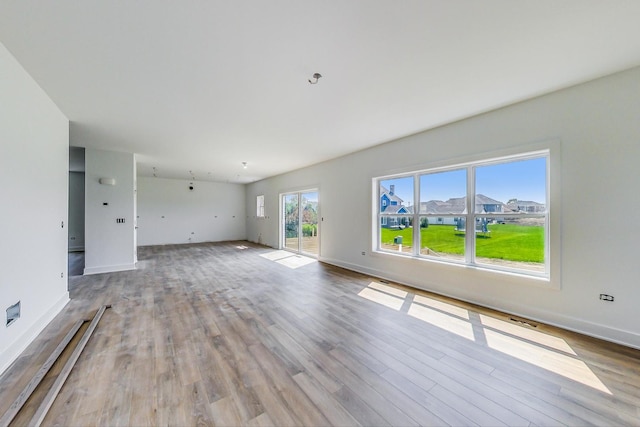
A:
[203, 86]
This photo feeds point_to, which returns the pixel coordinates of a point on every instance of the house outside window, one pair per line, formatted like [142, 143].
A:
[395, 210]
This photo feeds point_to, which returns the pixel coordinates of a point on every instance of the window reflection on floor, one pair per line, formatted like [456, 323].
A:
[380, 297]
[545, 351]
[442, 320]
[288, 259]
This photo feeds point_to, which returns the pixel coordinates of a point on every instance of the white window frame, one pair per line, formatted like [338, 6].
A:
[470, 217]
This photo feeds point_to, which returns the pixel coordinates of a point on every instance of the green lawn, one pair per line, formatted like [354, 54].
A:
[504, 241]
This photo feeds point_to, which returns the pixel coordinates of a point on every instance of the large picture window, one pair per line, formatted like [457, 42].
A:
[492, 213]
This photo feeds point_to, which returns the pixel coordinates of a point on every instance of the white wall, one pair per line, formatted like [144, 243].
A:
[596, 134]
[34, 165]
[76, 211]
[109, 246]
[168, 212]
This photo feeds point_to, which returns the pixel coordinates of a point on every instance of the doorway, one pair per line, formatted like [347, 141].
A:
[75, 221]
[300, 229]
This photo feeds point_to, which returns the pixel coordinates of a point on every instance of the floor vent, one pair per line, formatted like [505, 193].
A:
[523, 322]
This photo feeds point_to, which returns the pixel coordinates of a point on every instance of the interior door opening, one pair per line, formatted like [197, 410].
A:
[75, 220]
[300, 228]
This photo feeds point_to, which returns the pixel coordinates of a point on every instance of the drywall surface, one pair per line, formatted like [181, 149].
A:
[109, 245]
[594, 132]
[34, 166]
[169, 212]
[76, 211]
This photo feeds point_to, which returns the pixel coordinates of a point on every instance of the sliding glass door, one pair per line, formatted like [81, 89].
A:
[309, 242]
[300, 222]
[291, 222]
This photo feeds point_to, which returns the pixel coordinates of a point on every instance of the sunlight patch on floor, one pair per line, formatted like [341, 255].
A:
[382, 298]
[561, 364]
[442, 306]
[388, 289]
[276, 255]
[545, 351]
[444, 321]
[296, 261]
[288, 259]
[528, 334]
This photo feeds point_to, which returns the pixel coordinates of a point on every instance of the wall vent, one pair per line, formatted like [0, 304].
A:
[13, 313]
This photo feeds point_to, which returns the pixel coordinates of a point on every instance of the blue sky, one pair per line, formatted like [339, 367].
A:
[311, 197]
[524, 180]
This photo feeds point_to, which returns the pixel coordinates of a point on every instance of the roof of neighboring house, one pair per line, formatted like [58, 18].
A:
[457, 205]
[481, 199]
[440, 207]
[395, 208]
[384, 190]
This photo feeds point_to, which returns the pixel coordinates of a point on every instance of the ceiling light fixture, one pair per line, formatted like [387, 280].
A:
[316, 76]
[244, 165]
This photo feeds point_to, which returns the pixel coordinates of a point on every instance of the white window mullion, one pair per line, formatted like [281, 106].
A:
[378, 214]
[547, 225]
[299, 222]
[416, 215]
[470, 226]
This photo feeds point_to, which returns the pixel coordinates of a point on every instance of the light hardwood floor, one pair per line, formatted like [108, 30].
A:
[216, 334]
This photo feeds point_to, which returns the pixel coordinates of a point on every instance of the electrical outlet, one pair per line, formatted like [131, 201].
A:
[605, 297]
[363, 253]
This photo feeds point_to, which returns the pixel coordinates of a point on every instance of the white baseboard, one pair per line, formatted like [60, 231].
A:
[109, 268]
[585, 327]
[7, 357]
